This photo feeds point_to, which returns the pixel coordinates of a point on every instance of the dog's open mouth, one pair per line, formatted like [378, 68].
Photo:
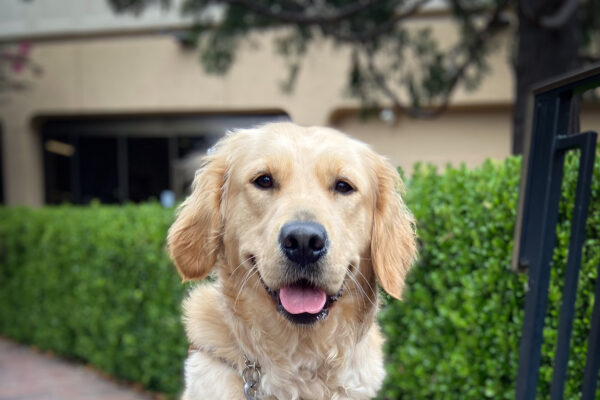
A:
[302, 302]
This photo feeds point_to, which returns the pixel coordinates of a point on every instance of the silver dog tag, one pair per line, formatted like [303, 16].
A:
[249, 391]
[251, 378]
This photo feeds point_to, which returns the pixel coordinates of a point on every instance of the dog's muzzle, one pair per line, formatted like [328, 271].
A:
[301, 300]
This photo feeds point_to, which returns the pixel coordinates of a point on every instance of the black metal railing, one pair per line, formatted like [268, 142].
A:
[535, 233]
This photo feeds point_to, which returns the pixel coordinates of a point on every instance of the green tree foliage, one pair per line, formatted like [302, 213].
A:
[388, 59]
[393, 63]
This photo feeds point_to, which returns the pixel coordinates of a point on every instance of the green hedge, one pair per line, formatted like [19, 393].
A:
[456, 334]
[95, 284]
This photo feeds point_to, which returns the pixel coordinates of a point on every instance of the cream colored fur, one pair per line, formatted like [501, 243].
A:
[230, 226]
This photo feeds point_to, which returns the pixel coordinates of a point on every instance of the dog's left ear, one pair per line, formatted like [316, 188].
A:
[393, 241]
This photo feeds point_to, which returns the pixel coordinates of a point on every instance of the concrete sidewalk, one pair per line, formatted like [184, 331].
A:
[27, 375]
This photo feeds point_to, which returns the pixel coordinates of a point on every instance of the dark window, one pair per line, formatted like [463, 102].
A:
[59, 156]
[114, 160]
[148, 168]
[98, 170]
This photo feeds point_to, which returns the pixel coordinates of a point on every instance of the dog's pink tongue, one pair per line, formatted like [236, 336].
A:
[298, 299]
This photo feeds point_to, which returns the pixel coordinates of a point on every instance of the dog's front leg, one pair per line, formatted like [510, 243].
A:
[209, 379]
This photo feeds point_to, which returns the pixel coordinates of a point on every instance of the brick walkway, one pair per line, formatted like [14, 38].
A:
[26, 375]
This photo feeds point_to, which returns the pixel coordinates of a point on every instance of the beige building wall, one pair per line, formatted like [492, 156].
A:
[152, 73]
[459, 136]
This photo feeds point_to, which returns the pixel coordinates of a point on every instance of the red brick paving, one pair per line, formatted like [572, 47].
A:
[27, 375]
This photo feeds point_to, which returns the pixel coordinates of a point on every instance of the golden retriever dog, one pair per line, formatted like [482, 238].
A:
[297, 224]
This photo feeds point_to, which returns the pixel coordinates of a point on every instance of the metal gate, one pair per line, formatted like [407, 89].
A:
[535, 231]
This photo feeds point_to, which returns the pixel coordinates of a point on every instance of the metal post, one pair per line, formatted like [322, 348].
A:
[535, 231]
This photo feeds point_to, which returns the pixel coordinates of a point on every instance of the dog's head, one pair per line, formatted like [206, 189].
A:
[298, 215]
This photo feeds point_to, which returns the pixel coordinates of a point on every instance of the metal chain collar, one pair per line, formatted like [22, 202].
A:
[251, 377]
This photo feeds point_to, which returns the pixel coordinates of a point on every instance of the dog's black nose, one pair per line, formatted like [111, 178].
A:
[303, 242]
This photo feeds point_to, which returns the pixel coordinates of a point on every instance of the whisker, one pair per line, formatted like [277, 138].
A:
[240, 264]
[364, 278]
[349, 292]
[247, 276]
[359, 287]
[256, 284]
[251, 272]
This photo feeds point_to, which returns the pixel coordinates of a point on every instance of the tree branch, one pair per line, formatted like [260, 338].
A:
[324, 21]
[491, 27]
[302, 18]
[362, 37]
[398, 105]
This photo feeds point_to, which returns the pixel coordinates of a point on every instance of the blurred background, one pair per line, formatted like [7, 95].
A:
[113, 100]
[112, 103]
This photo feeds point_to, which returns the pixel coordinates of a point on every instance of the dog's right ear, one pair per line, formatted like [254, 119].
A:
[393, 242]
[194, 239]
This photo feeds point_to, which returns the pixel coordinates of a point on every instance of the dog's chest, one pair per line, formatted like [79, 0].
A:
[333, 375]
[300, 381]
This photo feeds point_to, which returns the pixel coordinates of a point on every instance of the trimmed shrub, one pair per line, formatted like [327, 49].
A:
[456, 334]
[95, 284]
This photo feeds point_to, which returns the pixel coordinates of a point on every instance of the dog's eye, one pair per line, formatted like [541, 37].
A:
[264, 182]
[343, 187]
